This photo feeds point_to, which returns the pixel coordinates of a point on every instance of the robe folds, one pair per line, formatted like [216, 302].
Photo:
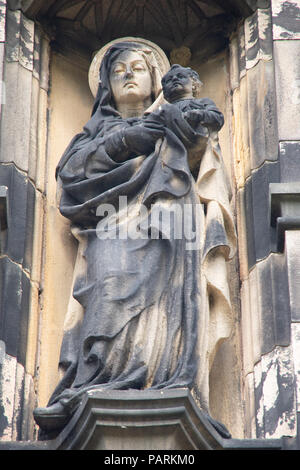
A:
[150, 300]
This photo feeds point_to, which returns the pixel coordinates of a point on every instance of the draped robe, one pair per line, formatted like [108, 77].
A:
[146, 312]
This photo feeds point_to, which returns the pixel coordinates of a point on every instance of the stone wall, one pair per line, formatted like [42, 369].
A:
[265, 105]
[24, 71]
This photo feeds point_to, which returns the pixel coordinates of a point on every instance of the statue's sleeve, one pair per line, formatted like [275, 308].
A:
[212, 117]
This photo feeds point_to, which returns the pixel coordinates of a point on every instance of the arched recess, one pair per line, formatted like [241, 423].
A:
[192, 32]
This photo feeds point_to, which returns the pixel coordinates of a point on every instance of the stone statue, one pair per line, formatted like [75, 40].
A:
[148, 309]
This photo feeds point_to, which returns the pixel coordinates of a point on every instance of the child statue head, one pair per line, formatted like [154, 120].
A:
[180, 83]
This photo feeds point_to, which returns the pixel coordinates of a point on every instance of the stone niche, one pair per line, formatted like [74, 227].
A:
[70, 104]
[195, 33]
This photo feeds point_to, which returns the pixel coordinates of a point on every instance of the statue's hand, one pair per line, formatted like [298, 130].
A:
[194, 117]
[142, 139]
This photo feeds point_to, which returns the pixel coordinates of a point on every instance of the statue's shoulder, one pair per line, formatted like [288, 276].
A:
[205, 102]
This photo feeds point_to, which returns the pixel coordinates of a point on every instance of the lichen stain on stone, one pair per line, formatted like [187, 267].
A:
[275, 395]
[270, 386]
[252, 38]
[253, 30]
[279, 388]
[282, 426]
[13, 36]
[3, 420]
[265, 30]
[289, 19]
[2, 15]
[259, 38]
[26, 44]
[259, 377]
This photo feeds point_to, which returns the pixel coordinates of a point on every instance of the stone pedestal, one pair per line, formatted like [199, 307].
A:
[145, 420]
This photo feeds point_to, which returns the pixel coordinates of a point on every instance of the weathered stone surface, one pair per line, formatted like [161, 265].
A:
[10, 388]
[250, 424]
[33, 142]
[20, 39]
[15, 4]
[265, 310]
[28, 429]
[44, 63]
[2, 20]
[7, 390]
[250, 330]
[238, 146]
[18, 397]
[242, 235]
[242, 51]
[18, 242]
[262, 113]
[14, 144]
[258, 37]
[25, 445]
[37, 230]
[260, 3]
[290, 443]
[275, 394]
[289, 154]
[70, 97]
[15, 286]
[37, 52]
[234, 63]
[33, 327]
[284, 210]
[215, 76]
[241, 133]
[229, 410]
[248, 210]
[244, 114]
[119, 420]
[22, 325]
[261, 237]
[16, 394]
[292, 248]
[296, 356]
[255, 320]
[42, 141]
[286, 19]
[2, 83]
[273, 295]
[287, 73]
[58, 275]
[29, 232]
[284, 200]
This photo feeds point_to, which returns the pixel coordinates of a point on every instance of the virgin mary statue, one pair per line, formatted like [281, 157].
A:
[150, 300]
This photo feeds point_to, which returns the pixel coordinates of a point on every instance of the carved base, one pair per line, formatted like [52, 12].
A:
[138, 420]
[144, 420]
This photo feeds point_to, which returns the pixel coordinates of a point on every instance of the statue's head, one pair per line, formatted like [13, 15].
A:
[130, 70]
[180, 83]
[131, 78]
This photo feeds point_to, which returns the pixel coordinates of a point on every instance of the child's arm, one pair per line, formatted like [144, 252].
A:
[206, 114]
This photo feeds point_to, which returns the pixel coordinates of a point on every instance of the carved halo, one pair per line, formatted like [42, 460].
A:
[161, 59]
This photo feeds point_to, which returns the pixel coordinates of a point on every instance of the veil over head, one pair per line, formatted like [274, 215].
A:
[103, 109]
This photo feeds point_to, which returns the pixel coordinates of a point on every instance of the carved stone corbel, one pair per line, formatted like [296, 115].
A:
[284, 209]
